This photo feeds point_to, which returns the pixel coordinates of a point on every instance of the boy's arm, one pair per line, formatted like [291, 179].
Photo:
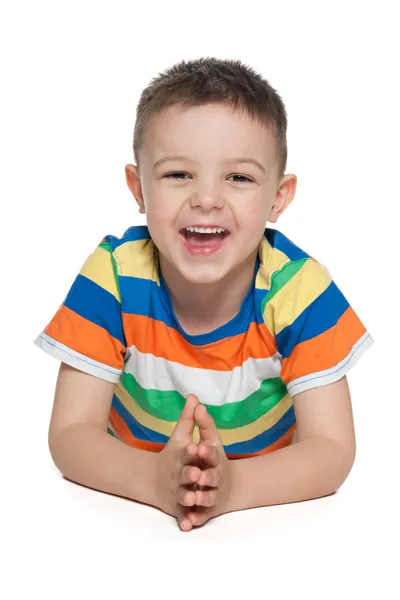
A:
[316, 465]
[84, 451]
[95, 459]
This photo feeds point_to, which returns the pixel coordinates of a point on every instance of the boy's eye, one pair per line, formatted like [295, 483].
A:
[243, 180]
[169, 176]
[244, 177]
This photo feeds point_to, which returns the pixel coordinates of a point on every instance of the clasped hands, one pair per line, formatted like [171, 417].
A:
[193, 481]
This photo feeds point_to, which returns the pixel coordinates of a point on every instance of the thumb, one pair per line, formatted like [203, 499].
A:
[184, 427]
[207, 428]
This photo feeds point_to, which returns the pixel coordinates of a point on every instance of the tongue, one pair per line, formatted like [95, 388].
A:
[203, 239]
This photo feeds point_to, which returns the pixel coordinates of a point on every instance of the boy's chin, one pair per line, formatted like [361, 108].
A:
[203, 274]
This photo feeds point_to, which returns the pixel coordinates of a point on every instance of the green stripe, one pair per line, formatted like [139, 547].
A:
[168, 405]
[111, 432]
[107, 246]
[280, 278]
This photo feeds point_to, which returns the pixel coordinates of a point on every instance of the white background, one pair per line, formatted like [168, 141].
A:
[71, 76]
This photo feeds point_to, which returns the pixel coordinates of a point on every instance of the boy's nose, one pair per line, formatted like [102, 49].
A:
[207, 201]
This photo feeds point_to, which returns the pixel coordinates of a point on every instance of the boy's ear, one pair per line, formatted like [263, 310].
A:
[284, 196]
[134, 184]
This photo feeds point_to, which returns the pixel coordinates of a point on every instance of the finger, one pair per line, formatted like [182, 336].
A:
[207, 428]
[185, 523]
[189, 474]
[209, 478]
[185, 425]
[209, 454]
[199, 517]
[189, 454]
[207, 498]
[186, 497]
[182, 517]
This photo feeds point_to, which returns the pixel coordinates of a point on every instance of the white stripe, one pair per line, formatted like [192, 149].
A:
[212, 387]
[307, 382]
[75, 359]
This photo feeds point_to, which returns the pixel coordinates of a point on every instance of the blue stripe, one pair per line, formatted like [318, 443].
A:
[322, 314]
[281, 242]
[94, 303]
[132, 234]
[266, 438]
[256, 444]
[259, 295]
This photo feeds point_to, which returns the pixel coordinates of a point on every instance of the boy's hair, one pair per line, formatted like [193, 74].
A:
[211, 80]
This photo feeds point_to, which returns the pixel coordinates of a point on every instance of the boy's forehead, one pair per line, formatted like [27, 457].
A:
[178, 129]
[200, 116]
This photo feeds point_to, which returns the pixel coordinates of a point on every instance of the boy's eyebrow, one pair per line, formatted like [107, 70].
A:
[229, 161]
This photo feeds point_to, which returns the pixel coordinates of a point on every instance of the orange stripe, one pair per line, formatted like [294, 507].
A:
[85, 337]
[124, 433]
[325, 350]
[155, 337]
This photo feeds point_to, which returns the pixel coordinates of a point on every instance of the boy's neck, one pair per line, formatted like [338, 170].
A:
[201, 308]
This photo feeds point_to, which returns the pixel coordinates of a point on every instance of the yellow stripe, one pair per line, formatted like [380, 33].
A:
[228, 436]
[138, 259]
[304, 287]
[271, 260]
[98, 268]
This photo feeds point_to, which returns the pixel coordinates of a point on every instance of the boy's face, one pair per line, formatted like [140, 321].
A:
[210, 187]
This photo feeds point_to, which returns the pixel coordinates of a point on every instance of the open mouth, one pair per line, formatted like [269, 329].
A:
[204, 240]
[202, 237]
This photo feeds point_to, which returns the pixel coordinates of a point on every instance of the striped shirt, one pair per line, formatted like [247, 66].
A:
[295, 331]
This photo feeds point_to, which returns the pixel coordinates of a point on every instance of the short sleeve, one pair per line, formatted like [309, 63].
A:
[318, 335]
[87, 332]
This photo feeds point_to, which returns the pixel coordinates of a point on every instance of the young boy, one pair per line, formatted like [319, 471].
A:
[204, 356]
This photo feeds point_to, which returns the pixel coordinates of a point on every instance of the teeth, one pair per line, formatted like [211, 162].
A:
[205, 229]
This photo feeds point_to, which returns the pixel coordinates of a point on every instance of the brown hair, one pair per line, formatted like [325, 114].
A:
[205, 80]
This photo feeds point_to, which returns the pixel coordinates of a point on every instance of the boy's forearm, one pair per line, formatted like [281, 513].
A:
[98, 460]
[310, 468]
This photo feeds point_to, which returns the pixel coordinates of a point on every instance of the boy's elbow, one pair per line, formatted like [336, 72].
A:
[53, 440]
[55, 443]
[64, 445]
[342, 460]
[349, 457]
